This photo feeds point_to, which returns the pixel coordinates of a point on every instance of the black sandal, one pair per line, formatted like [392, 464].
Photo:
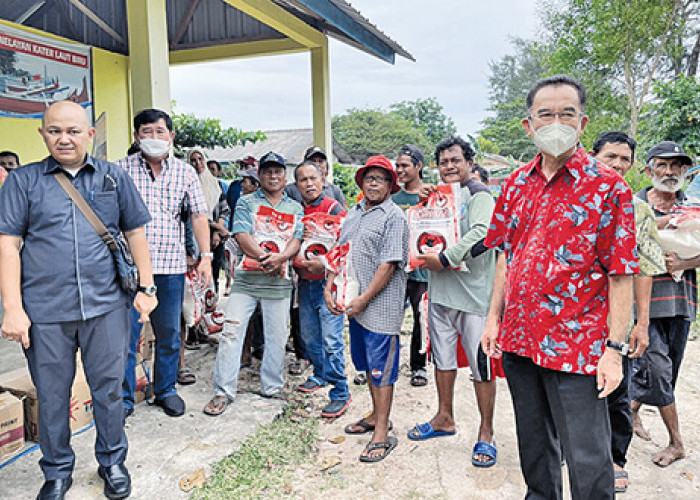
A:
[387, 446]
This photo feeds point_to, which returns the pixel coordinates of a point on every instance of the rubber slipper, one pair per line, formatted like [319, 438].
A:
[387, 446]
[186, 377]
[365, 427]
[483, 448]
[216, 401]
[425, 431]
[621, 474]
[419, 380]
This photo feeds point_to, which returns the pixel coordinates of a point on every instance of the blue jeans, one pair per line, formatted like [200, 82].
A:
[239, 309]
[165, 320]
[322, 335]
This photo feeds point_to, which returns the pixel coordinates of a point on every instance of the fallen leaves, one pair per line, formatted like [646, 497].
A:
[194, 480]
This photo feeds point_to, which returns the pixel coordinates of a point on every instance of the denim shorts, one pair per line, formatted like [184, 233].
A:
[375, 353]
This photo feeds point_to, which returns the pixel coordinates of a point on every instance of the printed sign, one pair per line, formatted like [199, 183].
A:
[36, 71]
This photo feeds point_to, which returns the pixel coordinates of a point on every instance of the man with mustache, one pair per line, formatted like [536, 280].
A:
[673, 305]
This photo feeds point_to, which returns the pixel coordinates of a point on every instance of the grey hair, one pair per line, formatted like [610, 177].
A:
[307, 163]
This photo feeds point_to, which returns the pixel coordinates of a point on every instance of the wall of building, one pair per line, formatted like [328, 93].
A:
[110, 79]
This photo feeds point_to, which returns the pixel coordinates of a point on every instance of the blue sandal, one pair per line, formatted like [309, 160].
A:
[425, 431]
[483, 448]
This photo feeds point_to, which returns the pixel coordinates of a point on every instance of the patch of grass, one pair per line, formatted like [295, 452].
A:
[262, 466]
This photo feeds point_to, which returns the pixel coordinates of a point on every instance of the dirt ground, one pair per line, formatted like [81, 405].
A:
[441, 468]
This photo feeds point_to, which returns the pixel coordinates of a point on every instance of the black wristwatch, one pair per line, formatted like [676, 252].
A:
[150, 290]
[622, 348]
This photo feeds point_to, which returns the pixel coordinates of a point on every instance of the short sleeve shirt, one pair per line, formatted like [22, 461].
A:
[562, 238]
[257, 283]
[163, 196]
[379, 235]
[68, 273]
[670, 298]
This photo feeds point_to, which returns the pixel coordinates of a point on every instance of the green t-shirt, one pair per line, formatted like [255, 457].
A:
[405, 201]
[468, 291]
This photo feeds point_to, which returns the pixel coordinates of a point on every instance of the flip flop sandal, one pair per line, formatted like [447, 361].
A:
[621, 474]
[360, 379]
[211, 408]
[421, 432]
[483, 448]
[186, 377]
[419, 379]
[387, 446]
[365, 427]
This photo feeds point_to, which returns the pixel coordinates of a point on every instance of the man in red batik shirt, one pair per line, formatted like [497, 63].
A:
[565, 225]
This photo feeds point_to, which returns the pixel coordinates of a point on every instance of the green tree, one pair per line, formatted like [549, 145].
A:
[674, 114]
[368, 132]
[191, 131]
[344, 178]
[428, 116]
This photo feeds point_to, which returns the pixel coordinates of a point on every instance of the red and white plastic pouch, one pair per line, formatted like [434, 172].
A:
[321, 235]
[345, 284]
[273, 231]
[434, 224]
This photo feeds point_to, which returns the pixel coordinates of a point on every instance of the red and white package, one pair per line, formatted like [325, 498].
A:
[434, 224]
[199, 300]
[273, 231]
[345, 286]
[321, 235]
[231, 252]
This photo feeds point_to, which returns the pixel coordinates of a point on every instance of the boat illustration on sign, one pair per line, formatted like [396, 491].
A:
[32, 94]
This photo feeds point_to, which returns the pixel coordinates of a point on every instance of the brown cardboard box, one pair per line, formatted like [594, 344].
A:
[19, 383]
[147, 342]
[11, 425]
[144, 378]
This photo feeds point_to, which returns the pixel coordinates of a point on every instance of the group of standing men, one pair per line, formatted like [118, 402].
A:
[553, 267]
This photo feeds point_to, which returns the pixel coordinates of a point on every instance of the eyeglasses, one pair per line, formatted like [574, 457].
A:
[378, 180]
[564, 116]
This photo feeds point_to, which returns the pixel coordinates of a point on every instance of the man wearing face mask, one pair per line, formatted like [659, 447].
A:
[165, 183]
[672, 309]
[565, 225]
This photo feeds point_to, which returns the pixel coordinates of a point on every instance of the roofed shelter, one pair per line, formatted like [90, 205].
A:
[113, 56]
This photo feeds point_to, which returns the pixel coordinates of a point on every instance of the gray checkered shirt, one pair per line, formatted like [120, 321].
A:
[379, 235]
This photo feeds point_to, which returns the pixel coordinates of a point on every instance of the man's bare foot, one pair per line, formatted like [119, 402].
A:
[666, 457]
[639, 429]
[622, 482]
[486, 437]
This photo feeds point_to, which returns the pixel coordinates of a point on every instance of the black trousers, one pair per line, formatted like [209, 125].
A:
[553, 411]
[414, 291]
[620, 413]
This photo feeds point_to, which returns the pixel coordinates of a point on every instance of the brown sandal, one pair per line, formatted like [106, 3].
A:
[216, 406]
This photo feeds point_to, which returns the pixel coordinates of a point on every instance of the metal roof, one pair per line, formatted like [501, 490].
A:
[290, 143]
[197, 23]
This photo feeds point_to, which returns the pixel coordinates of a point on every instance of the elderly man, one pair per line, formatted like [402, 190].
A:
[318, 156]
[270, 287]
[321, 332]
[565, 225]
[378, 233]
[62, 292]
[673, 305]
[167, 185]
[459, 301]
[616, 150]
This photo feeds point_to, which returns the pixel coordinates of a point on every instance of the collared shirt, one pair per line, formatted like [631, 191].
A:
[562, 238]
[68, 273]
[257, 283]
[379, 235]
[468, 291]
[163, 196]
[670, 298]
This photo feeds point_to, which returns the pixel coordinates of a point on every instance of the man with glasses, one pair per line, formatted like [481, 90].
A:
[673, 305]
[562, 296]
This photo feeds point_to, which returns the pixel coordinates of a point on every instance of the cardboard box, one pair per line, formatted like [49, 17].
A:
[144, 379]
[146, 344]
[11, 425]
[19, 383]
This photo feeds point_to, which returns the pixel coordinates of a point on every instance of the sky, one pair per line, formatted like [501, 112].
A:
[451, 40]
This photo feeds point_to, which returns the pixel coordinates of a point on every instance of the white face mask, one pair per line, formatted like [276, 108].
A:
[664, 183]
[555, 139]
[155, 148]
